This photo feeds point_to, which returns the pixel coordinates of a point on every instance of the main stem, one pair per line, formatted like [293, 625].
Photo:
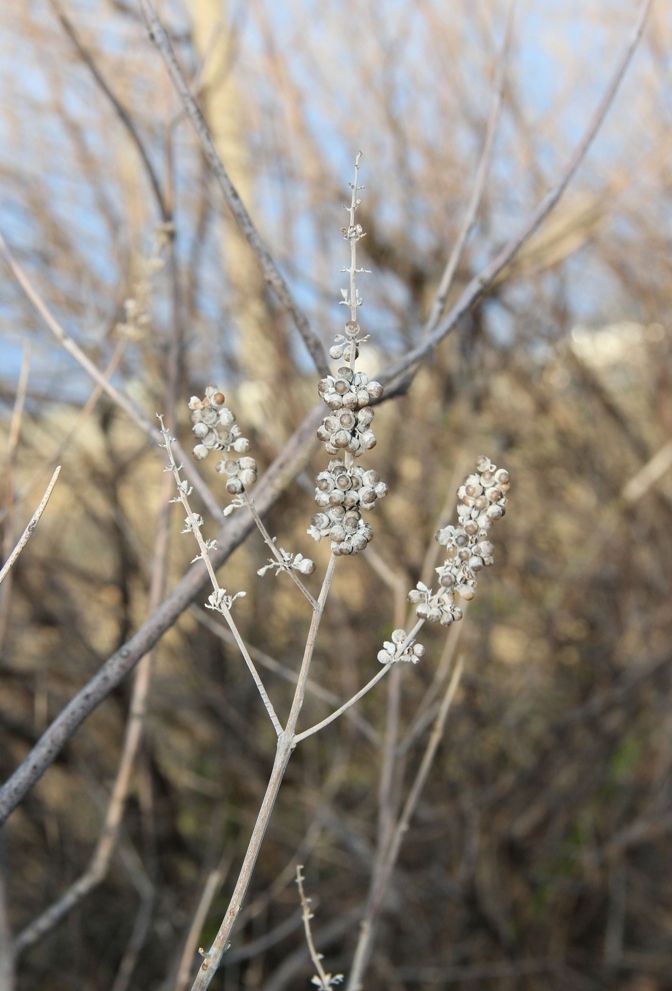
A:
[285, 746]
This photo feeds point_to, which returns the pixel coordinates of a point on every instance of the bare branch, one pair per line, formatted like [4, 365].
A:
[121, 111]
[469, 221]
[28, 532]
[270, 270]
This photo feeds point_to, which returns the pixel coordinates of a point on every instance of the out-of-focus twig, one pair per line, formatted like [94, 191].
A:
[380, 883]
[34, 520]
[212, 885]
[121, 111]
[439, 302]
[270, 270]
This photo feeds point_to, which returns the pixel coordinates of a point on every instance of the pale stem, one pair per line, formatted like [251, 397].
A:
[275, 552]
[109, 834]
[210, 889]
[124, 403]
[364, 945]
[471, 214]
[361, 693]
[283, 752]
[219, 603]
[34, 520]
[307, 916]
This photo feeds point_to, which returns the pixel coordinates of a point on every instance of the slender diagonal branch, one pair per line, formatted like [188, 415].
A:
[270, 270]
[381, 881]
[30, 529]
[482, 282]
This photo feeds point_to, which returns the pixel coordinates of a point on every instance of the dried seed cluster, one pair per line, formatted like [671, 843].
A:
[482, 501]
[216, 429]
[345, 490]
[392, 649]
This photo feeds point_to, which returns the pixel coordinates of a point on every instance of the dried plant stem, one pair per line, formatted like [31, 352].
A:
[271, 664]
[361, 693]
[121, 111]
[482, 282]
[275, 552]
[285, 746]
[34, 520]
[439, 303]
[81, 417]
[7, 959]
[379, 886]
[307, 915]
[218, 600]
[269, 269]
[12, 449]
[212, 885]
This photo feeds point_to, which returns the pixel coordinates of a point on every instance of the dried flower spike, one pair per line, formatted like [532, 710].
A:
[482, 501]
[344, 491]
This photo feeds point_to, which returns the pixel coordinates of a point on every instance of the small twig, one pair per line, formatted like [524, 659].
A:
[109, 834]
[234, 531]
[360, 694]
[275, 551]
[121, 111]
[218, 600]
[212, 885]
[28, 532]
[482, 170]
[10, 500]
[7, 975]
[286, 745]
[81, 417]
[143, 919]
[378, 890]
[427, 708]
[326, 981]
[271, 664]
[269, 269]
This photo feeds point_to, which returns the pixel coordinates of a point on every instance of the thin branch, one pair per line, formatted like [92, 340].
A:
[269, 269]
[271, 664]
[219, 599]
[270, 543]
[286, 745]
[121, 111]
[363, 691]
[109, 834]
[376, 895]
[212, 885]
[482, 170]
[81, 417]
[28, 532]
[12, 450]
[481, 283]
[326, 981]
